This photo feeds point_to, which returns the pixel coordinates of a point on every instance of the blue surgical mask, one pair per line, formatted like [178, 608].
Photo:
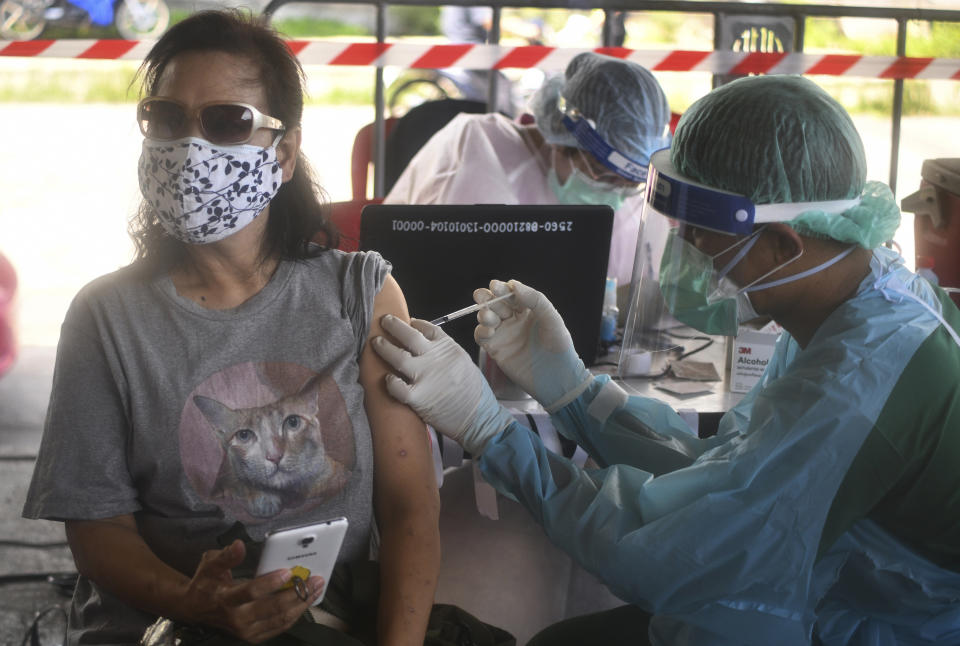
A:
[581, 189]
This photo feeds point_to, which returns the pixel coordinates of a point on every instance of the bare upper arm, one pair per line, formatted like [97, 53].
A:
[402, 453]
[88, 539]
[85, 527]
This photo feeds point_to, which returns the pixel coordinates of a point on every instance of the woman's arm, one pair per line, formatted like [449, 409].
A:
[406, 499]
[112, 554]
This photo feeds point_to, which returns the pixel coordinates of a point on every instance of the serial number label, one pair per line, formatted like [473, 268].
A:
[564, 226]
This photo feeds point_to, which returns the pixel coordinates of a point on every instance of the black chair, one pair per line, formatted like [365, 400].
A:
[412, 130]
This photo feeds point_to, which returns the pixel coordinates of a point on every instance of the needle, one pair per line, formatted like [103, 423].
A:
[468, 310]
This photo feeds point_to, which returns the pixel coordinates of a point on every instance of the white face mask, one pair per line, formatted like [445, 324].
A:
[202, 192]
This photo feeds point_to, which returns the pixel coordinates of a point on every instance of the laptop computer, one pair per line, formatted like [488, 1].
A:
[441, 253]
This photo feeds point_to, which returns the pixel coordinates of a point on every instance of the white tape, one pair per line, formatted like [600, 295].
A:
[610, 398]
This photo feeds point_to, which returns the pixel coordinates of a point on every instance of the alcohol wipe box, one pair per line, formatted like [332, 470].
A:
[752, 350]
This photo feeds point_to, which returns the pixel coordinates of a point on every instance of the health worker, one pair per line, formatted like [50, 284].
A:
[595, 129]
[825, 510]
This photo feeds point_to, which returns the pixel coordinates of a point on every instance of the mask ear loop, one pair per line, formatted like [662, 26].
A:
[753, 287]
[748, 243]
[754, 237]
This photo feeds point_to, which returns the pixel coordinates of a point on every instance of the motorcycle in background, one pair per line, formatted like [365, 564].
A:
[134, 19]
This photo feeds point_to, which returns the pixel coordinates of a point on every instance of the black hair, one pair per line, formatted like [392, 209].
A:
[299, 211]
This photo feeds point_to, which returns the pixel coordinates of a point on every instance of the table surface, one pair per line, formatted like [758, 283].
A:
[717, 400]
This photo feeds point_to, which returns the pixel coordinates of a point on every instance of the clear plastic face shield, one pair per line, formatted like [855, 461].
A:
[575, 179]
[567, 160]
[593, 172]
[682, 288]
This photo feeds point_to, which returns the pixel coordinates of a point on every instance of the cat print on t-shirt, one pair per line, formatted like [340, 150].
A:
[264, 440]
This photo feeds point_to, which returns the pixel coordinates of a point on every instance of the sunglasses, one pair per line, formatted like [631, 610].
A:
[221, 122]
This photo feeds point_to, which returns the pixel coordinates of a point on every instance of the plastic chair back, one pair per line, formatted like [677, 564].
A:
[362, 156]
[346, 217]
[674, 120]
[415, 128]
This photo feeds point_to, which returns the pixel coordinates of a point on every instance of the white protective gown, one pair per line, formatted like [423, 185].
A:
[484, 159]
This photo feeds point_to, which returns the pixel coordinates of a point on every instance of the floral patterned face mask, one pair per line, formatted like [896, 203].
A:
[203, 192]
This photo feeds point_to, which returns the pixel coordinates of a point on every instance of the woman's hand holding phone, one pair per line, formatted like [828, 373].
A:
[253, 610]
[310, 549]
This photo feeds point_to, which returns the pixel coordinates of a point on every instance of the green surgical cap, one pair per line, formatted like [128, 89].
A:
[623, 99]
[778, 139]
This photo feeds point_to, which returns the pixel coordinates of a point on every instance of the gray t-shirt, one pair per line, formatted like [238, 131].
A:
[209, 424]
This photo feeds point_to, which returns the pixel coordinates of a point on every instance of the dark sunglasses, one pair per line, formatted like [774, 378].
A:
[221, 122]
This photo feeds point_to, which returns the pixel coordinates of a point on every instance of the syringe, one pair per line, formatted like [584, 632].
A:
[468, 310]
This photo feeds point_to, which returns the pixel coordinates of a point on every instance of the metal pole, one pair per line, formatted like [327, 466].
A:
[717, 29]
[493, 38]
[799, 32]
[609, 16]
[897, 106]
[379, 129]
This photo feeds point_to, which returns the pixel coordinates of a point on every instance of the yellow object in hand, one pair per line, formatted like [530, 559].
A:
[298, 572]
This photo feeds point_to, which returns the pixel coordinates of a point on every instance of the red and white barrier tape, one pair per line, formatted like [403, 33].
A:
[325, 52]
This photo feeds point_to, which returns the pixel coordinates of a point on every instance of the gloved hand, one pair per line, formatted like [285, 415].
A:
[527, 338]
[443, 384]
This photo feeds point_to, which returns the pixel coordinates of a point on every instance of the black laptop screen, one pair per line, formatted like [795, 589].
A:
[441, 253]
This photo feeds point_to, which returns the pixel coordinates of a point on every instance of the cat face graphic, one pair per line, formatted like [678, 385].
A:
[276, 447]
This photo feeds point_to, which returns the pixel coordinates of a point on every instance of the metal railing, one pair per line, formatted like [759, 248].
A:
[721, 11]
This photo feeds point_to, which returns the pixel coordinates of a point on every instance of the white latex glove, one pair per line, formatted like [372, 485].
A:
[527, 338]
[443, 384]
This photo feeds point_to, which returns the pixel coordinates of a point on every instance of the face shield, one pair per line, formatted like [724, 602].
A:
[680, 290]
[576, 177]
[584, 130]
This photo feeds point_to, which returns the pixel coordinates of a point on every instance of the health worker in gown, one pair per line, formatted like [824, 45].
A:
[825, 509]
[595, 129]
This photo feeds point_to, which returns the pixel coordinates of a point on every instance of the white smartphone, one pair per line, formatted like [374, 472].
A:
[309, 550]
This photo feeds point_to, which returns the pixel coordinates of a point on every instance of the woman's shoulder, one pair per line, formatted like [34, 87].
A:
[325, 259]
[349, 268]
[124, 289]
[123, 282]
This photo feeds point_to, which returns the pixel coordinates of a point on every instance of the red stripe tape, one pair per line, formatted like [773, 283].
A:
[905, 68]
[616, 52]
[25, 47]
[360, 54]
[297, 46]
[680, 61]
[440, 56]
[834, 64]
[758, 63]
[524, 57]
[108, 49]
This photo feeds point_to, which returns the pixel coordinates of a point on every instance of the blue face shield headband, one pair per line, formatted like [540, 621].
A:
[585, 132]
[679, 198]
